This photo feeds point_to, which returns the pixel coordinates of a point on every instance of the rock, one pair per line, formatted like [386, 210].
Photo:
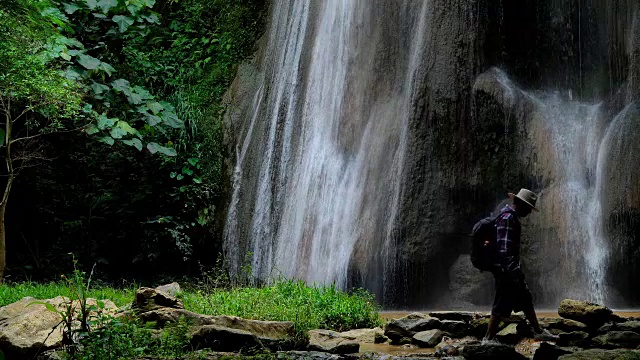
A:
[465, 316]
[220, 338]
[26, 327]
[162, 316]
[401, 331]
[478, 327]
[455, 328]
[491, 351]
[509, 335]
[452, 347]
[147, 299]
[548, 351]
[632, 325]
[593, 315]
[331, 342]
[276, 335]
[315, 355]
[562, 324]
[599, 354]
[574, 338]
[428, 338]
[172, 289]
[366, 336]
[618, 339]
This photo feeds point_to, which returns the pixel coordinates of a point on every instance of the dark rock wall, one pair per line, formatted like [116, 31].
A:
[470, 141]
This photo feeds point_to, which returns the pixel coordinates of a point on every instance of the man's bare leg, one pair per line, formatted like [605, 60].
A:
[530, 314]
[492, 330]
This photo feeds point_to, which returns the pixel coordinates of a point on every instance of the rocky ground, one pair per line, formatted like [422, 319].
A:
[585, 331]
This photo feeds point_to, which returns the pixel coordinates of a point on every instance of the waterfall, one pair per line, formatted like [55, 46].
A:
[321, 196]
[576, 138]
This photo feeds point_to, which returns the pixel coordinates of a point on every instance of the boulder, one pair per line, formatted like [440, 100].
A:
[172, 289]
[618, 339]
[27, 327]
[147, 299]
[452, 347]
[478, 327]
[491, 352]
[574, 338]
[562, 324]
[599, 354]
[366, 336]
[454, 328]
[162, 316]
[548, 351]
[465, 316]
[593, 315]
[401, 331]
[220, 338]
[632, 325]
[428, 338]
[276, 335]
[331, 342]
[509, 335]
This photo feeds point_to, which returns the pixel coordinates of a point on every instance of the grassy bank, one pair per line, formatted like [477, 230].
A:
[309, 307]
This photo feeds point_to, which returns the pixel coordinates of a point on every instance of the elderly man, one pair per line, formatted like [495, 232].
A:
[512, 292]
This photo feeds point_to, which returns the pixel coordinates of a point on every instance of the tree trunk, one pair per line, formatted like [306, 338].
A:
[5, 195]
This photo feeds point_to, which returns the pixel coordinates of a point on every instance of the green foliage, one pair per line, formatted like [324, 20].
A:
[128, 339]
[316, 307]
[13, 292]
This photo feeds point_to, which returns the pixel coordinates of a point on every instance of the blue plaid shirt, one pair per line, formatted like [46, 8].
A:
[508, 241]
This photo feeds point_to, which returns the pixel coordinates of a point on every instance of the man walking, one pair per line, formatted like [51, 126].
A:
[512, 293]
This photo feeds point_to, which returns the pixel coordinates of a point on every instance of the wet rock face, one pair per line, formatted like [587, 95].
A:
[465, 140]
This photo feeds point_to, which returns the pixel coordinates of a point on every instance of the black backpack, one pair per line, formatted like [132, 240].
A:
[484, 255]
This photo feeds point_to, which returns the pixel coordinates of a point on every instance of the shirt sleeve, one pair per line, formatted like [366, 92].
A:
[507, 244]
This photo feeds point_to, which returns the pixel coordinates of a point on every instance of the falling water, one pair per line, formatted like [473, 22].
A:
[332, 114]
[576, 138]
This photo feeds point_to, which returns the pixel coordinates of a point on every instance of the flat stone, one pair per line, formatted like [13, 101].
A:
[618, 339]
[562, 324]
[365, 336]
[465, 316]
[600, 354]
[147, 299]
[331, 342]
[548, 351]
[455, 328]
[428, 338]
[633, 325]
[172, 289]
[491, 351]
[220, 338]
[574, 338]
[509, 334]
[401, 331]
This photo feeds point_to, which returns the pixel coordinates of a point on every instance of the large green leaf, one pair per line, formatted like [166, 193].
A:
[155, 107]
[126, 127]
[107, 140]
[88, 61]
[123, 22]
[121, 85]
[99, 88]
[149, 3]
[171, 119]
[106, 68]
[70, 8]
[134, 142]
[92, 4]
[117, 133]
[155, 147]
[142, 92]
[106, 5]
[152, 120]
[106, 123]
[91, 129]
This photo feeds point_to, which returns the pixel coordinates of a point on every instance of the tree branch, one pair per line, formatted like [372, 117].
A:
[42, 134]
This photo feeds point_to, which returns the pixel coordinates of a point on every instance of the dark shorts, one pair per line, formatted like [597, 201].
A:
[512, 294]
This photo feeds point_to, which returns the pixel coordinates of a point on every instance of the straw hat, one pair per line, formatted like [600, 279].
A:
[527, 196]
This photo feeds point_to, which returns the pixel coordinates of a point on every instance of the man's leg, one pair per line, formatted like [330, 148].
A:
[530, 314]
[492, 330]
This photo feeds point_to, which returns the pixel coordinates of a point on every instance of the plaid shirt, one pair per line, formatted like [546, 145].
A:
[508, 240]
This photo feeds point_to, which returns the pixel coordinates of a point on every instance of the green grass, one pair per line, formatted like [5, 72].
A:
[14, 292]
[309, 307]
